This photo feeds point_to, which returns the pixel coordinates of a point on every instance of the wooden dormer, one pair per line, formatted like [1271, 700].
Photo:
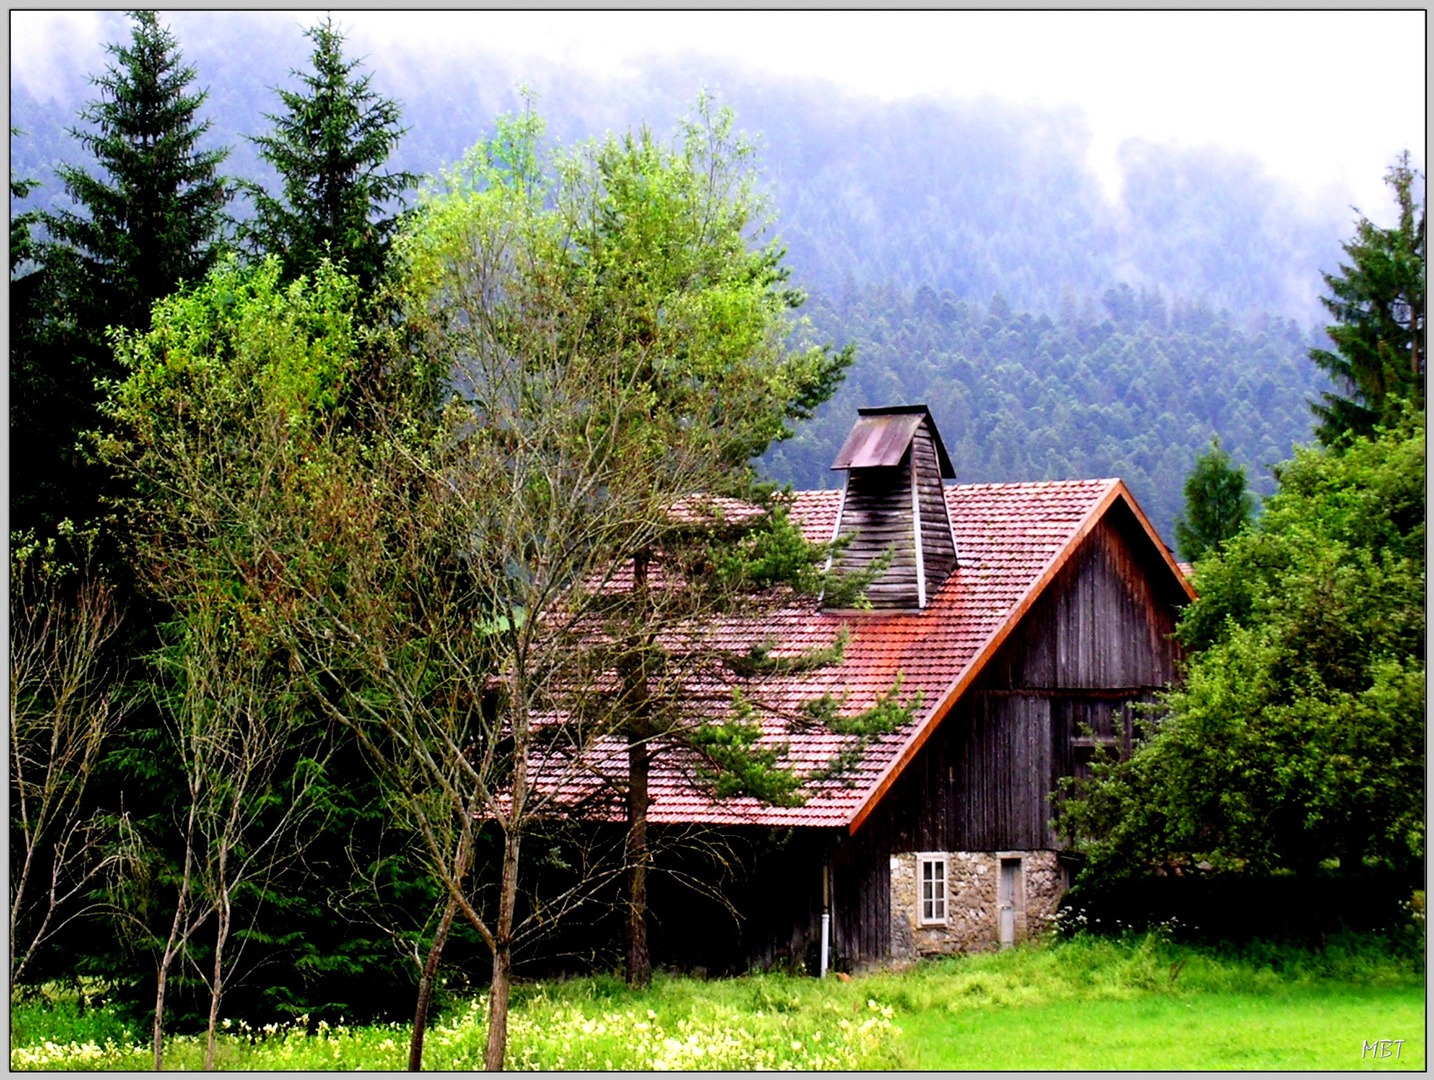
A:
[892, 498]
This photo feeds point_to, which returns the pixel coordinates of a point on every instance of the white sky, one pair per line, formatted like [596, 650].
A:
[1324, 98]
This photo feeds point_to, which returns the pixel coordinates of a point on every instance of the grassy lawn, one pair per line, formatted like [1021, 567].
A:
[1140, 1003]
[1306, 1030]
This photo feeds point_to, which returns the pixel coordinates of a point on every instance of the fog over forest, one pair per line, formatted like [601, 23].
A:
[992, 209]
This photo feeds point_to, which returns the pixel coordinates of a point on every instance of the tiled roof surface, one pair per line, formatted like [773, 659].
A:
[1007, 535]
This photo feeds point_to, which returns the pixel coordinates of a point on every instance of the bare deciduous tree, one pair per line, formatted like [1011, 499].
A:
[64, 703]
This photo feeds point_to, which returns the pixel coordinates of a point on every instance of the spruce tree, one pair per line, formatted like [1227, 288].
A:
[149, 218]
[1217, 506]
[1378, 302]
[329, 147]
[157, 218]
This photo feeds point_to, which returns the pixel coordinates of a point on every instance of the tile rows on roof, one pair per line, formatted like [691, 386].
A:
[1006, 536]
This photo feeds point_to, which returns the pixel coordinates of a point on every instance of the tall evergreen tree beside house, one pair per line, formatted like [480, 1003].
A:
[329, 147]
[148, 219]
[1217, 504]
[1377, 300]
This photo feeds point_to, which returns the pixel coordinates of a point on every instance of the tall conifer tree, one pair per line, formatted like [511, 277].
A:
[1378, 302]
[150, 217]
[329, 147]
[156, 219]
[1217, 504]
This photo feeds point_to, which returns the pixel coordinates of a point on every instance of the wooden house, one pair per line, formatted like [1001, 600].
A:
[1019, 622]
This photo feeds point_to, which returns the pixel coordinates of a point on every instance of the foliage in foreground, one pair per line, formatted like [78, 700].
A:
[772, 1021]
[1297, 739]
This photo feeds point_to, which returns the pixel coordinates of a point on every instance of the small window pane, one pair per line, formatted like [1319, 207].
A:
[933, 890]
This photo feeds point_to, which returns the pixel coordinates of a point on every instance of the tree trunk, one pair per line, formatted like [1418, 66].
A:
[639, 761]
[425, 987]
[503, 938]
[498, 1008]
[176, 939]
[639, 961]
[159, 1014]
[216, 989]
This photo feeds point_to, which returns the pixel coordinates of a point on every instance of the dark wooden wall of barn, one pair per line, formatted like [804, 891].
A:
[1097, 640]
[729, 900]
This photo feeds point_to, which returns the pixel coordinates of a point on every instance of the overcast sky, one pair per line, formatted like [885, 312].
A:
[1325, 99]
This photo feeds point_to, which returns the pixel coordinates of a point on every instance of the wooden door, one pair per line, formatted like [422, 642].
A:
[1008, 891]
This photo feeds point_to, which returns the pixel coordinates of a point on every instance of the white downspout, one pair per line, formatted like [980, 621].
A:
[826, 918]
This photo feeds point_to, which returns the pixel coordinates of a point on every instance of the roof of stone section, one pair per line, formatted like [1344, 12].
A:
[1012, 539]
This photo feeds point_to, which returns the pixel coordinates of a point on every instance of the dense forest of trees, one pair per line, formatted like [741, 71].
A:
[1052, 333]
[1124, 337]
[265, 698]
[975, 198]
[1135, 390]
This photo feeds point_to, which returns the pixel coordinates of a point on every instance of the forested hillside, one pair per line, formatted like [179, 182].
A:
[1135, 389]
[975, 197]
[1126, 335]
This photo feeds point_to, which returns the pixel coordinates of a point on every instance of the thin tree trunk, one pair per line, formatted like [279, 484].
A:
[425, 987]
[503, 939]
[175, 942]
[639, 960]
[216, 990]
[498, 1008]
[159, 1013]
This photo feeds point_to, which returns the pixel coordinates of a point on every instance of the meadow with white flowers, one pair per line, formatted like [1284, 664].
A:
[1142, 1001]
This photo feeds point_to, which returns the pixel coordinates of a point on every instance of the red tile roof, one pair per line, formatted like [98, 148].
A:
[1011, 540]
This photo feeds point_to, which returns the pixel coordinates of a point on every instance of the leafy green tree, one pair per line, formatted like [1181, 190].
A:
[1297, 739]
[329, 147]
[230, 399]
[1377, 300]
[1217, 504]
[150, 219]
[684, 300]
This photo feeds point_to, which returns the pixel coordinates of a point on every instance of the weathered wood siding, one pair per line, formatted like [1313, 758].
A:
[878, 507]
[861, 893]
[732, 899]
[1101, 624]
[1095, 642]
[938, 549]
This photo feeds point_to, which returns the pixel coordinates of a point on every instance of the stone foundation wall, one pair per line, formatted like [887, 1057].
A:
[972, 880]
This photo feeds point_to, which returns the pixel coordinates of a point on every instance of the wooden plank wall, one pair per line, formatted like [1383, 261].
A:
[1095, 642]
[861, 893]
[771, 877]
[937, 548]
[878, 510]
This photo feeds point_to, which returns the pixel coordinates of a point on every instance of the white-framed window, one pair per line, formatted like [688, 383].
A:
[932, 895]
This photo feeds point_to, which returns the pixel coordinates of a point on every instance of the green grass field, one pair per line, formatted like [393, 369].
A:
[1138, 1003]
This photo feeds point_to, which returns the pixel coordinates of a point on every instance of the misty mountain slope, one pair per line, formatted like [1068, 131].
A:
[968, 248]
[1136, 392]
[975, 197]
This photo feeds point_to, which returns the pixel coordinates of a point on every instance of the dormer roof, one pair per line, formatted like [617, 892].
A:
[882, 435]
